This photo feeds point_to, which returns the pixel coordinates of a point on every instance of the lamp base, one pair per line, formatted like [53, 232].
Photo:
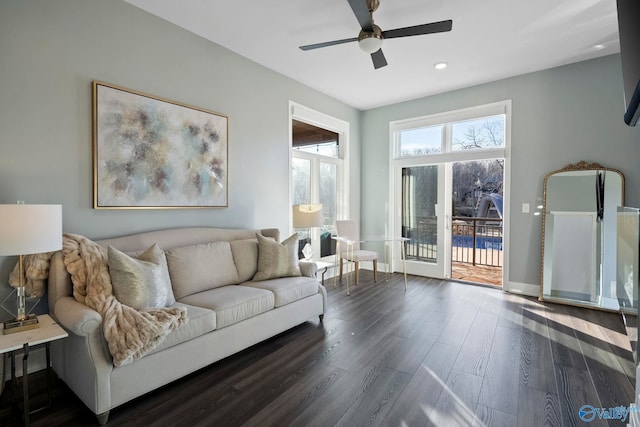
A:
[307, 251]
[14, 325]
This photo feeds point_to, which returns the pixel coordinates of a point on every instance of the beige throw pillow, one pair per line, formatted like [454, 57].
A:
[141, 282]
[277, 259]
[197, 268]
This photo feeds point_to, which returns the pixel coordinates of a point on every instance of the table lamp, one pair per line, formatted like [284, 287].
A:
[307, 216]
[26, 230]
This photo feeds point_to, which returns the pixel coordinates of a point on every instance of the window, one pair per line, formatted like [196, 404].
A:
[315, 140]
[421, 141]
[480, 128]
[485, 132]
[317, 172]
[326, 175]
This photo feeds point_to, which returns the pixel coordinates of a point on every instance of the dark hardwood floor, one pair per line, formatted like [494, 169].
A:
[443, 353]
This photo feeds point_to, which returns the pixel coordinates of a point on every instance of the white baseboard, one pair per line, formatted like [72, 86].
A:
[523, 289]
[527, 289]
[382, 267]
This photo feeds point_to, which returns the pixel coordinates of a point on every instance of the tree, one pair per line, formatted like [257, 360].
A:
[488, 133]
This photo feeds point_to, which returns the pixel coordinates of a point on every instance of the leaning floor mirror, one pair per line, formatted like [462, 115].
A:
[578, 265]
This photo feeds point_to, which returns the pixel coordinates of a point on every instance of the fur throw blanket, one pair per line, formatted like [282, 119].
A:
[130, 333]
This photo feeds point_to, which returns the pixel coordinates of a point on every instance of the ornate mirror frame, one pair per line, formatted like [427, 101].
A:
[581, 166]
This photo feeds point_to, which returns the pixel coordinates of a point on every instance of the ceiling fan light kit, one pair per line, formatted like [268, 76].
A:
[371, 36]
[370, 41]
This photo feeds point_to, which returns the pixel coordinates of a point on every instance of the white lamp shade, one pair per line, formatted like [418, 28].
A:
[305, 216]
[370, 44]
[30, 229]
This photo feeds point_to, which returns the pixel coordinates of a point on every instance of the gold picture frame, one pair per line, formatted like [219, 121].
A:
[155, 153]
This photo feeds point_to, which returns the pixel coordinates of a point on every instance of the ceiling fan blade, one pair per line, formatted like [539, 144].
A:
[378, 58]
[361, 11]
[417, 30]
[326, 44]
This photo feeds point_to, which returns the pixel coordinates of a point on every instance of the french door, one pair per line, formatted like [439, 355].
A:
[422, 195]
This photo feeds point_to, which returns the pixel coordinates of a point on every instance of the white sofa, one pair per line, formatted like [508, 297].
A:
[235, 313]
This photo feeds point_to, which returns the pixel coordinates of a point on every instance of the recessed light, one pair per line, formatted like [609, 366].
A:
[598, 46]
[440, 65]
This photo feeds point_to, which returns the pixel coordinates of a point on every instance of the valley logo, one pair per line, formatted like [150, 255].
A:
[589, 413]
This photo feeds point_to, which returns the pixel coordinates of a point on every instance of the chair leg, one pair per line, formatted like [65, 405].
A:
[375, 270]
[357, 265]
[341, 262]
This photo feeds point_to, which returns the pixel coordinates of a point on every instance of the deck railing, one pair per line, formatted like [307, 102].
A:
[423, 243]
[477, 241]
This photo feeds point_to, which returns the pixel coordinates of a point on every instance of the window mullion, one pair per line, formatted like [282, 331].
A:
[447, 138]
[315, 181]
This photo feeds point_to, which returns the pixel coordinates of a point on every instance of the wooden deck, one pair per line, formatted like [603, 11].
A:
[482, 274]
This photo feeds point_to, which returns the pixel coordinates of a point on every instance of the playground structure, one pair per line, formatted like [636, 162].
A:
[478, 239]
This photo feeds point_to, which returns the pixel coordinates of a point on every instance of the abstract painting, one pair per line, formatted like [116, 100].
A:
[150, 152]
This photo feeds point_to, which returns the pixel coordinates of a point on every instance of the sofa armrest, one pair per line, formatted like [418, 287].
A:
[76, 317]
[308, 268]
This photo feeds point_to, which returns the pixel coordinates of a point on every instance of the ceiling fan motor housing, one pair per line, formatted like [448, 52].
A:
[370, 41]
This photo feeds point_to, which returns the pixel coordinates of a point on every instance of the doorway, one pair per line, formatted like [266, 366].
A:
[477, 221]
[452, 214]
[449, 185]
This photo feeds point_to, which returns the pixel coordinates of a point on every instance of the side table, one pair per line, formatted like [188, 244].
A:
[324, 266]
[48, 330]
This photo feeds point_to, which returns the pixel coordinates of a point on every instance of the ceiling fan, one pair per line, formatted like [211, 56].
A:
[371, 36]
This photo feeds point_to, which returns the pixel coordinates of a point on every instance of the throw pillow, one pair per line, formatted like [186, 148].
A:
[157, 256]
[277, 259]
[141, 282]
[197, 268]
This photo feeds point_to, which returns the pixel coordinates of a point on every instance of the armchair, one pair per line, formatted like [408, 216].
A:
[349, 230]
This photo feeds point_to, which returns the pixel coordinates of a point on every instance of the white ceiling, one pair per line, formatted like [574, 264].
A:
[490, 40]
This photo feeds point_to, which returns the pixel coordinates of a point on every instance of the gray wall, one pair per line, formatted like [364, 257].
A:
[49, 54]
[559, 116]
[51, 51]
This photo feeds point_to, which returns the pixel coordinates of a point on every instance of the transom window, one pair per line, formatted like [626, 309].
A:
[421, 141]
[485, 132]
[446, 133]
[314, 140]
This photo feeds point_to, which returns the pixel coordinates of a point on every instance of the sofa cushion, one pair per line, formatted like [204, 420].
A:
[245, 255]
[288, 289]
[277, 259]
[201, 321]
[141, 282]
[197, 268]
[233, 304]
